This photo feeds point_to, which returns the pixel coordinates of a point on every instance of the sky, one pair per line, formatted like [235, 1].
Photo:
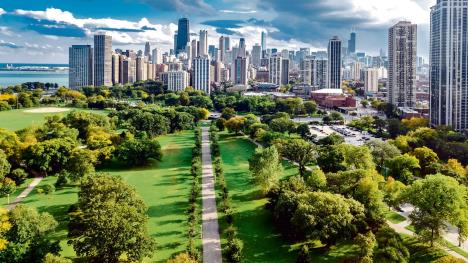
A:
[40, 31]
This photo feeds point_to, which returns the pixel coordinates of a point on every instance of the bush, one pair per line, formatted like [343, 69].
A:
[48, 189]
[233, 251]
[19, 176]
[62, 180]
[4, 106]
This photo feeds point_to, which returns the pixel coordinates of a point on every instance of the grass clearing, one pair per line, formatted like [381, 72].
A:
[262, 242]
[164, 186]
[19, 119]
[393, 216]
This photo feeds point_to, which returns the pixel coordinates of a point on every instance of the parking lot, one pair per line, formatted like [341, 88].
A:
[351, 136]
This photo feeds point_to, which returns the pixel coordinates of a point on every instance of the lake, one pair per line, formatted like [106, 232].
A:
[11, 78]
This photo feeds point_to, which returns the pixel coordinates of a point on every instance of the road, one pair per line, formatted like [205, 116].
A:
[210, 239]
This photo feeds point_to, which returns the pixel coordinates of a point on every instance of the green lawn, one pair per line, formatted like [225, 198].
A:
[262, 243]
[393, 216]
[164, 186]
[19, 119]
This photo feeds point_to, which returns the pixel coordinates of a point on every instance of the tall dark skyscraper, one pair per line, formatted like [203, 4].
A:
[183, 35]
[81, 66]
[352, 43]
[334, 63]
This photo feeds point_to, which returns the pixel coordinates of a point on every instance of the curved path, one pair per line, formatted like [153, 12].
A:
[210, 233]
[25, 193]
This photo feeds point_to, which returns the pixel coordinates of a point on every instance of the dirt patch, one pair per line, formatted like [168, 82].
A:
[47, 110]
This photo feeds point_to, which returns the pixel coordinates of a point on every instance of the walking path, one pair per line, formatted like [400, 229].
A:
[25, 193]
[451, 235]
[210, 233]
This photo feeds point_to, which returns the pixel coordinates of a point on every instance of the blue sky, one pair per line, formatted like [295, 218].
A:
[40, 31]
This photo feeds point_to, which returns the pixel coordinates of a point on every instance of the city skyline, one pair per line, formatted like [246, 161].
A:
[44, 31]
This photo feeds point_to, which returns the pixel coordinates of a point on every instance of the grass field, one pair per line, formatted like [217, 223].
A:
[393, 216]
[19, 119]
[262, 243]
[164, 186]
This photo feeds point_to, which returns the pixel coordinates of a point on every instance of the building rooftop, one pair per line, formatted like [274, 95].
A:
[328, 91]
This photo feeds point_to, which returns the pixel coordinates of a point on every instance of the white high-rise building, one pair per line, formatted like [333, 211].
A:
[356, 68]
[156, 57]
[275, 70]
[402, 43]
[449, 64]
[176, 80]
[201, 74]
[115, 68]
[320, 73]
[371, 80]
[221, 48]
[256, 55]
[305, 71]
[194, 48]
[102, 60]
[80, 72]
[203, 43]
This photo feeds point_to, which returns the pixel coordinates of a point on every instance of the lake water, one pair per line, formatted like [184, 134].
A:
[11, 78]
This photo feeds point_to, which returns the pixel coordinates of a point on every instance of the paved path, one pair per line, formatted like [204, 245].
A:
[25, 193]
[451, 235]
[210, 234]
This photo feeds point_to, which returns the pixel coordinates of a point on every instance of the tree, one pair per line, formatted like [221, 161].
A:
[4, 164]
[233, 251]
[330, 159]
[81, 163]
[27, 238]
[402, 167]
[182, 258]
[304, 131]
[437, 200]
[366, 243]
[332, 139]
[282, 125]
[153, 124]
[364, 103]
[83, 120]
[381, 152]
[109, 221]
[392, 192]
[5, 226]
[228, 113]
[138, 151]
[449, 259]
[265, 167]
[426, 157]
[310, 107]
[327, 217]
[390, 246]
[316, 179]
[356, 157]
[415, 123]
[235, 124]
[49, 156]
[51, 258]
[221, 124]
[299, 151]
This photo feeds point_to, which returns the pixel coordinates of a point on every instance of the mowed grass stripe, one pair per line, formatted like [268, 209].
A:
[262, 242]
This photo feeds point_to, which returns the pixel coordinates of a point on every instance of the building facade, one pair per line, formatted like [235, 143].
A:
[401, 85]
[201, 74]
[371, 80]
[334, 63]
[449, 64]
[183, 35]
[80, 72]
[102, 60]
[275, 70]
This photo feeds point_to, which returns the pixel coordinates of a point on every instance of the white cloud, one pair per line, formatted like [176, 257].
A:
[238, 11]
[5, 31]
[2, 11]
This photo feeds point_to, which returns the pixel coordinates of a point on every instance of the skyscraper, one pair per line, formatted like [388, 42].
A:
[227, 43]
[242, 49]
[334, 63]
[371, 80]
[320, 72]
[256, 55]
[401, 87]
[156, 57]
[147, 50]
[263, 40]
[449, 64]
[352, 43]
[194, 48]
[239, 74]
[116, 68]
[102, 60]
[203, 46]
[221, 48]
[201, 74]
[284, 71]
[275, 70]
[183, 35]
[80, 59]
[305, 71]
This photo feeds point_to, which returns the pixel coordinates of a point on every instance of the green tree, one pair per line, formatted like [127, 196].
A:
[392, 192]
[4, 164]
[304, 131]
[332, 139]
[51, 258]
[366, 243]
[82, 121]
[316, 179]
[299, 151]
[310, 107]
[228, 113]
[330, 159]
[139, 151]
[282, 125]
[153, 124]
[109, 222]
[356, 157]
[390, 247]
[265, 167]
[426, 157]
[381, 152]
[182, 258]
[437, 200]
[235, 124]
[27, 238]
[81, 163]
[49, 156]
[402, 167]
